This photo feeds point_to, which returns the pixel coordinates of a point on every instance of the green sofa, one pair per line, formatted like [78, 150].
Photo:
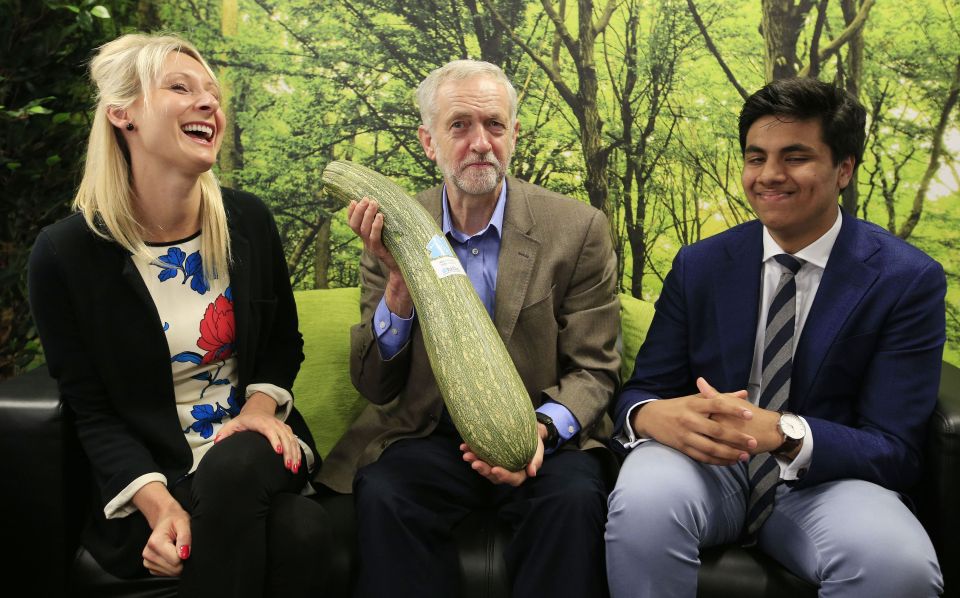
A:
[46, 480]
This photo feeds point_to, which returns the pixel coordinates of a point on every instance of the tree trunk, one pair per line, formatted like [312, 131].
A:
[781, 24]
[644, 151]
[852, 80]
[935, 152]
[495, 48]
[591, 125]
[147, 17]
[639, 250]
[583, 101]
[232, 97]
[321, 257]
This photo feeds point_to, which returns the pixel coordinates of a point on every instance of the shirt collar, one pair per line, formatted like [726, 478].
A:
[816, 253]
[496, 219]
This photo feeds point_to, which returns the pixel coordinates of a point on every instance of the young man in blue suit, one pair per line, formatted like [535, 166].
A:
[785, 384]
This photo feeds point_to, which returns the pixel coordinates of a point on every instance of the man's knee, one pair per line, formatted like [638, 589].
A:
[648, 484]
[580, 496]
[661, 493]
[644, 510]
[891, 563]
[856, 538]
[911, 572]
[377, 488]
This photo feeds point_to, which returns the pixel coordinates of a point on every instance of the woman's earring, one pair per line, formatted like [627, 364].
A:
[130, 126]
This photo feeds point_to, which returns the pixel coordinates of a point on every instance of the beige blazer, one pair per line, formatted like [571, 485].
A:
[556, 309]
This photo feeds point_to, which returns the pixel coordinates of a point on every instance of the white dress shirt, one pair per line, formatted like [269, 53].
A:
[814, 256]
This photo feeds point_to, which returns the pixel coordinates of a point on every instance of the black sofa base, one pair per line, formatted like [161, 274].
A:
[46, 483]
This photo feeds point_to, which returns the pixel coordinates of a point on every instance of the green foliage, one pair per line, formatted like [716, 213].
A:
[310, 81]
[43, 126]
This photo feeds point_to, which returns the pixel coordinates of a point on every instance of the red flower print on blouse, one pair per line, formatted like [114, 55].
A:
[218, 331]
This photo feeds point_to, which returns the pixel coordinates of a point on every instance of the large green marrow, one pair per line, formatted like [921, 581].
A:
[480, 385]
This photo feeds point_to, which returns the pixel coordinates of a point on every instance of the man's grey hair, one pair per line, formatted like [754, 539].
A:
[459, 70]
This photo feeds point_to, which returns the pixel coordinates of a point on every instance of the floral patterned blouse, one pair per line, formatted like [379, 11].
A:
[197, 316]
[199, 325]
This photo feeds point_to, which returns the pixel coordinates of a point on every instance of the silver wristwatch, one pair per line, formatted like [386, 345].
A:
[793, 430]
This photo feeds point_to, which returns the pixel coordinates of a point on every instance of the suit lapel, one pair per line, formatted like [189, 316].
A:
[145, 313]
[433, 202]
[737, 302]
[518, 254]
[142, 321]
[132, 277]
[845, 281]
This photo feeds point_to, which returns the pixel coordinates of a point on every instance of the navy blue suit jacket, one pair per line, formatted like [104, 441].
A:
[867, 363]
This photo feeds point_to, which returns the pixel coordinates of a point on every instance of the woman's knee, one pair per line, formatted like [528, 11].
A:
[238, 463]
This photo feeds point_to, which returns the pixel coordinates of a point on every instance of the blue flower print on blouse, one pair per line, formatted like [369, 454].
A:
[207, 415]
[176, 260]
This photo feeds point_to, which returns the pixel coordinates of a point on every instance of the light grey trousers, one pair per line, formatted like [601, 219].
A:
[850, 537]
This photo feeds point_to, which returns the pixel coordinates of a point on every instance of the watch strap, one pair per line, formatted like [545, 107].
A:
[553, 436]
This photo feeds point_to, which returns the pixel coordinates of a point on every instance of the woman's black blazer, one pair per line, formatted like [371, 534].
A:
[104, 343]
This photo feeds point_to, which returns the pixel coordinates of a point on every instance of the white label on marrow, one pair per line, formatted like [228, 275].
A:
[447, 266]
[442, 258]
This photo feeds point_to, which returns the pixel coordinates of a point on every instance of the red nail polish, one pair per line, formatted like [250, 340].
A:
[184, 552]
[296, 468]
[279, 449]
[289, 464]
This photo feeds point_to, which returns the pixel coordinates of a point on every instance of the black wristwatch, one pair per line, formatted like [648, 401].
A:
[552, 435]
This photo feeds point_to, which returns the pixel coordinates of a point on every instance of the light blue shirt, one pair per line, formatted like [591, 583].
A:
[479, 254]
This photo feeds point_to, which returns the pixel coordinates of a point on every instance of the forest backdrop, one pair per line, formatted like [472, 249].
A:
[629, 105]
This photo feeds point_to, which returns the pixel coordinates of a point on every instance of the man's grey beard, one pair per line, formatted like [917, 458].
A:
[487, 180]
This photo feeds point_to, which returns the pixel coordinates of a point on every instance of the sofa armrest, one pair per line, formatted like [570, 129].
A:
[45, 482]
[939, 494]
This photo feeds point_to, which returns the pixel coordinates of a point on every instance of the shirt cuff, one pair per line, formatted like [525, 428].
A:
[628, 438]
[282, 396]
[391, 330]
[794, 470]
[566, 424]
[122, 504]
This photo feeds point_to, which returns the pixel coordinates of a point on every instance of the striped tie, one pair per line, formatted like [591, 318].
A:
[775, 387]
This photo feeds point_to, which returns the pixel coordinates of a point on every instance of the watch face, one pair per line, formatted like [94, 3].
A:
[792, 426]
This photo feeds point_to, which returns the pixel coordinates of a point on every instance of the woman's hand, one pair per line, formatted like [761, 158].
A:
[259, 415]
[169, 544]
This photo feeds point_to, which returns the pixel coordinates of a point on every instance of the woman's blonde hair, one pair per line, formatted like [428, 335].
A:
[122, 71]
